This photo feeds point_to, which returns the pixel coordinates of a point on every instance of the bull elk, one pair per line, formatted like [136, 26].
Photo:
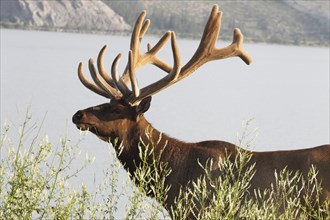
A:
[122, 119]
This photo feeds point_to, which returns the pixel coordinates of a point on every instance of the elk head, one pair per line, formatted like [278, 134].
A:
[108, 120]
[127, 105]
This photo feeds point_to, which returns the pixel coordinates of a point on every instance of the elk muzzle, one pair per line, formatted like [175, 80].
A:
[76, 118]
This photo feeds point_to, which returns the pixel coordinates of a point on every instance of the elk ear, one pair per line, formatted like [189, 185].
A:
[143, 106]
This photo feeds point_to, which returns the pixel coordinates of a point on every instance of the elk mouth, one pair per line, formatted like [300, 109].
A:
[89, 127]
[82, 127]
[86, 127]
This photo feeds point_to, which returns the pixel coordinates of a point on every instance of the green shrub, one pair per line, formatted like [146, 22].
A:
[34, 177]
[34, 184]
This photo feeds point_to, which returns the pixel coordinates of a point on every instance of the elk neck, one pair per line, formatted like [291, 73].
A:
[141, 134]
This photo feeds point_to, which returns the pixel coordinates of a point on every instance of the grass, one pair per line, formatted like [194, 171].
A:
[35, 184]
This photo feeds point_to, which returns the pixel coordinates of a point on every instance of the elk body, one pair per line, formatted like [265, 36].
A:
[122, 119]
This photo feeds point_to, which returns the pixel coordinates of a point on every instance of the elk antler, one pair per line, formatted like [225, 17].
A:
[116, 87]
[205, 52]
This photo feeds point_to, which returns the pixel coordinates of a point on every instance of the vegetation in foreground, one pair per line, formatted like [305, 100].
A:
[35, 176]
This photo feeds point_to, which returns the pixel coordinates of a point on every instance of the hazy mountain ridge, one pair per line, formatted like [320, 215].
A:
[284, 21]
[78, 15]
[281, 21]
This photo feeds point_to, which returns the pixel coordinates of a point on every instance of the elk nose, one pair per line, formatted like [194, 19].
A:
[77, 117]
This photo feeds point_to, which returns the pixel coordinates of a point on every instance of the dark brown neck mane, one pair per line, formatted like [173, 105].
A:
[143, 134]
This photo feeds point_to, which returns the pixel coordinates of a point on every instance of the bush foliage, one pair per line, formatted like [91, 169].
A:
[35, 176]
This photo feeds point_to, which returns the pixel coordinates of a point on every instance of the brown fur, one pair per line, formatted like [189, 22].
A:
[119, 120]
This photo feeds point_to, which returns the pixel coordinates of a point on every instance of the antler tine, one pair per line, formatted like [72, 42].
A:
[120, 84]
[238, 40]
[211, 30]
[135, 39]
[144, 28]
[155, 49]
[91, 85]
[99, 81]
[135, 88]
[101, 68]
[235, 49]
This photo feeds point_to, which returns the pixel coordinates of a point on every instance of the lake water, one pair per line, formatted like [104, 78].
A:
[285, 90]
